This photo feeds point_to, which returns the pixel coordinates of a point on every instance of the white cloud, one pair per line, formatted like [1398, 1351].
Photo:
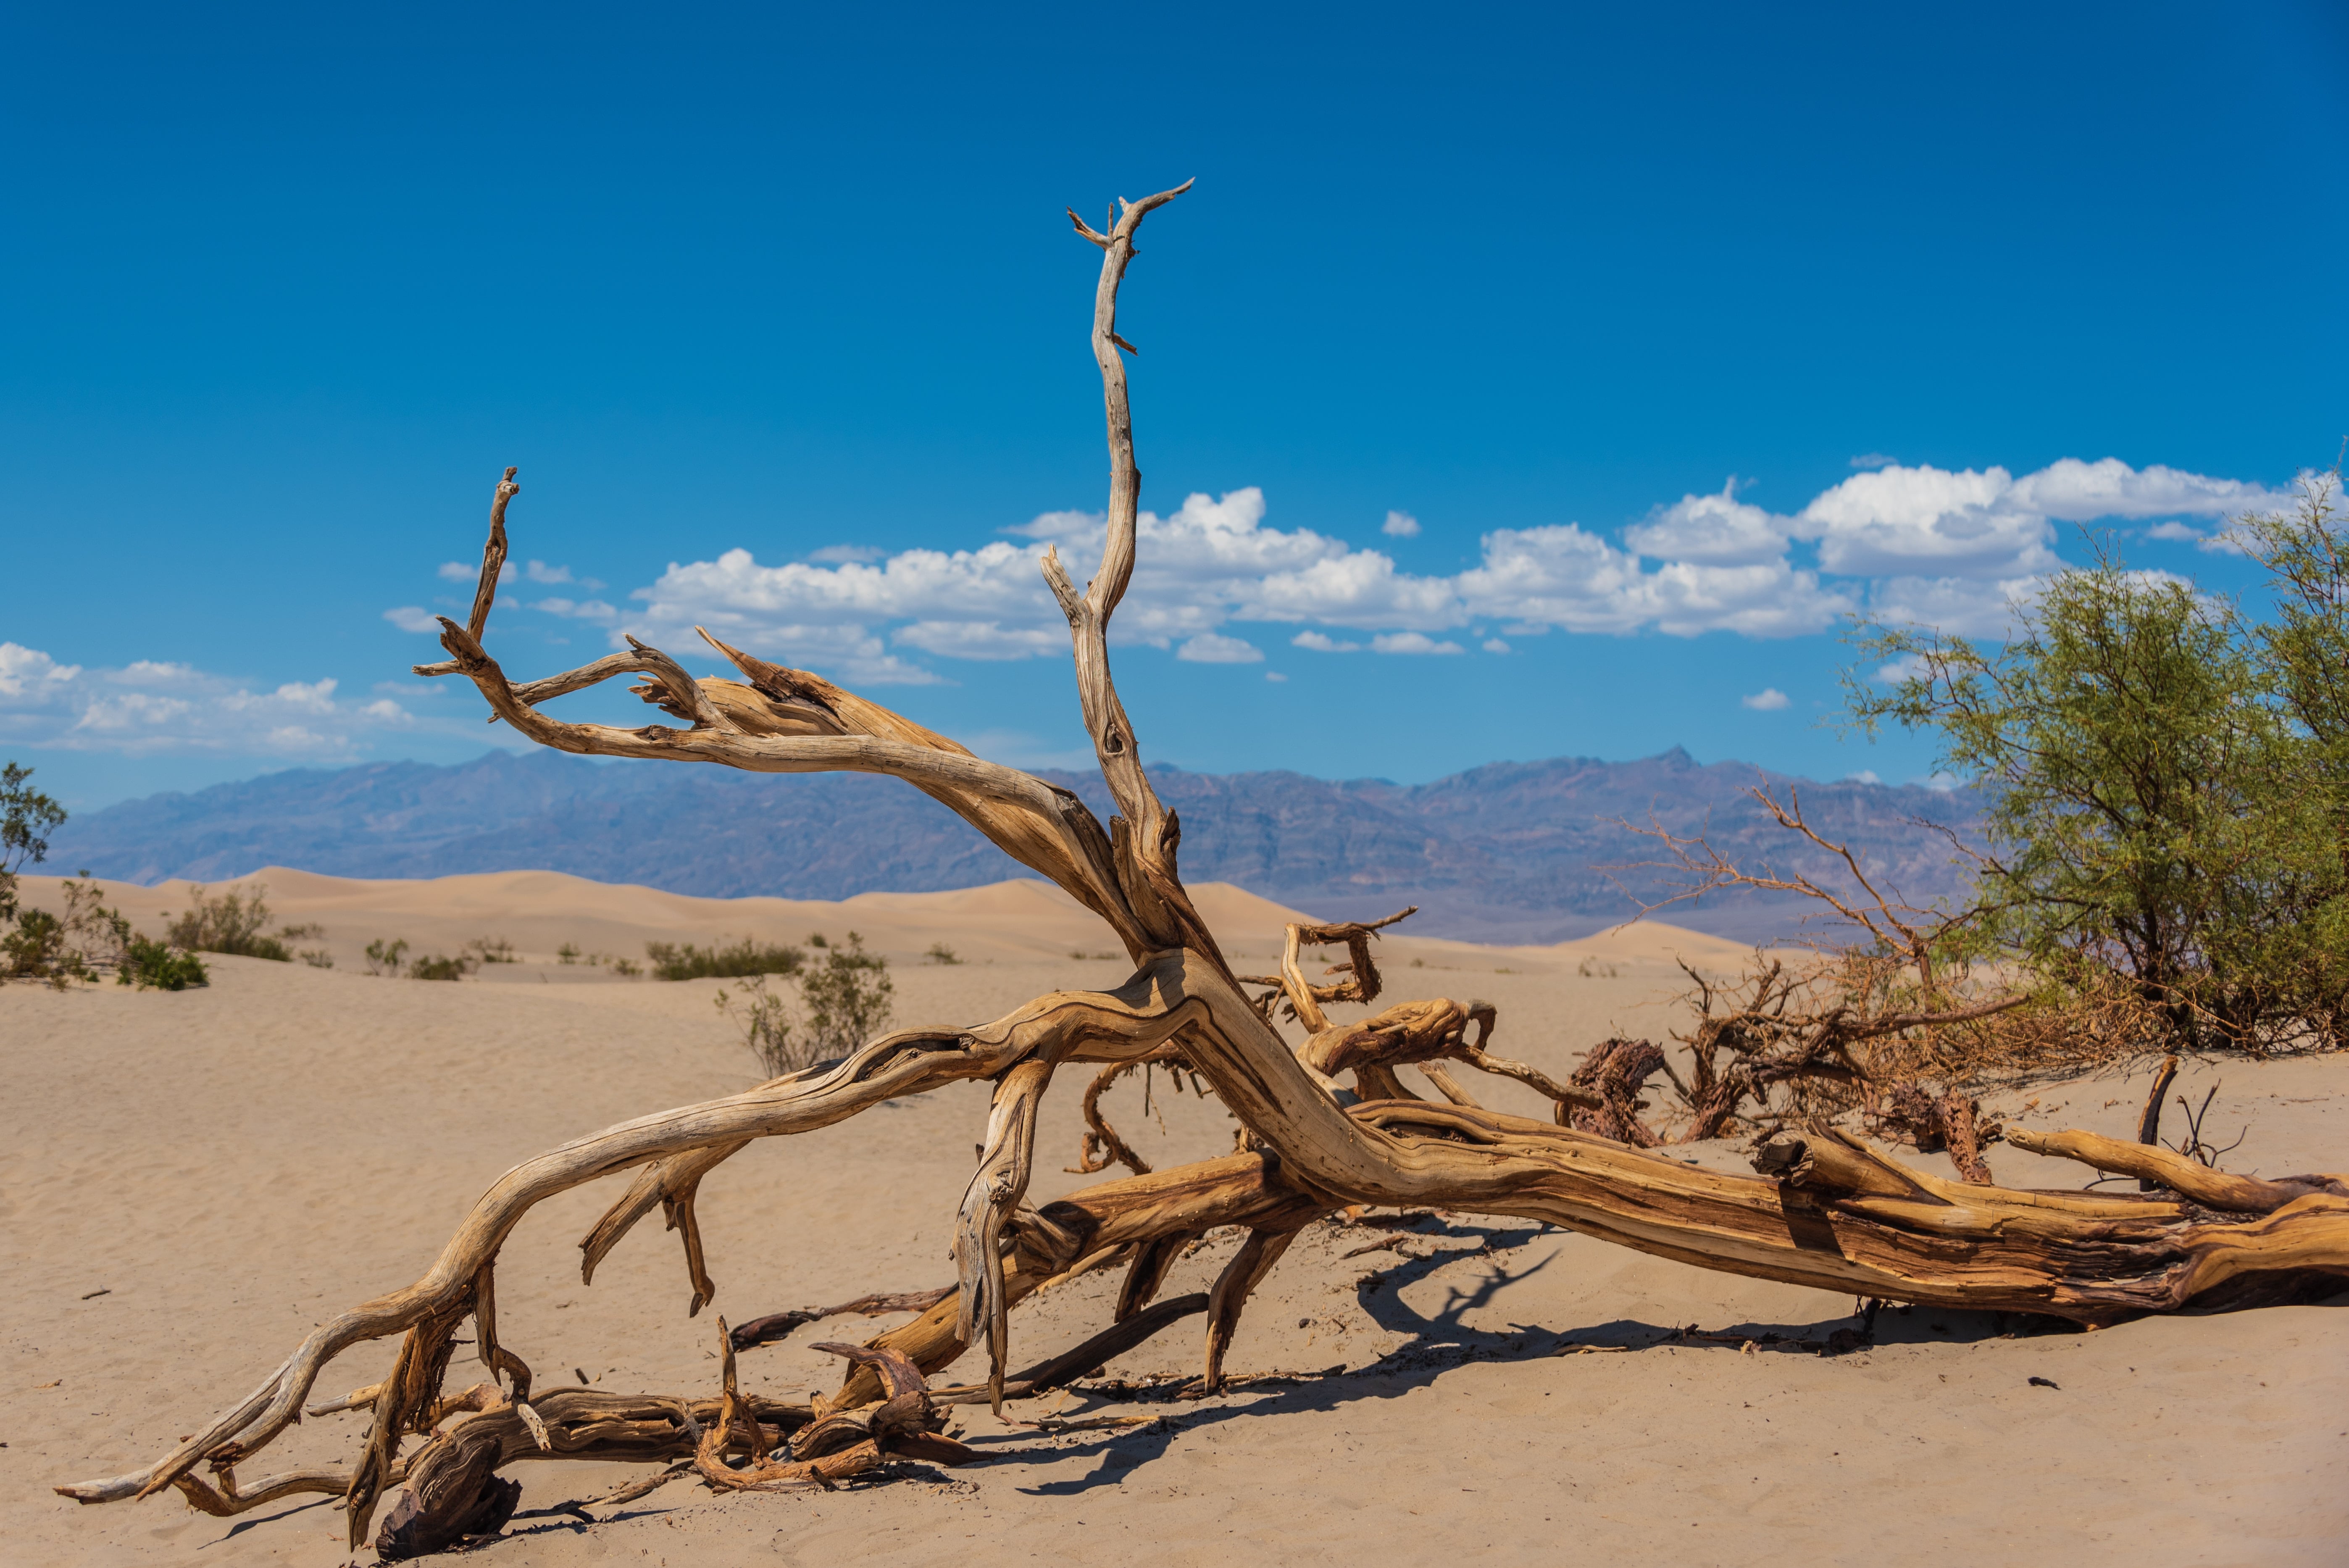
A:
[1399, 525]
[1873, 460]
[412, 617]
[1274, 675]
[2078, 492]
[1209, 647]
[539, 572]
[1718, 529]
[1864, 775]
[1494, 645]
[149, 706]
[1918, 520]
[1769, 700]
[1947, 548]
[1412, 642]
[32, 679]
[983, 639]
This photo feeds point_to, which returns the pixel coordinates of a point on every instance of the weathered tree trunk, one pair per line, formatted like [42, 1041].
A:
[1824, 1211]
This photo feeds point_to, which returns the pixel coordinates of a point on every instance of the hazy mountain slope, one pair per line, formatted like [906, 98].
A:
[1507, 852]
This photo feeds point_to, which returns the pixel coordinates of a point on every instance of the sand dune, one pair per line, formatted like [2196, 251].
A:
[231, 1164]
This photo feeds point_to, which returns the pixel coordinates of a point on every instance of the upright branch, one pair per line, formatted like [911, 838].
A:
[1145, 834]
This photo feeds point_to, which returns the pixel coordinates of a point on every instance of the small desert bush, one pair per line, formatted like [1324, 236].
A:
[86, 939]
[942, 954]
[844, 1001]
[745, 957]
[157, 966]
[433, 966]
[235, 922]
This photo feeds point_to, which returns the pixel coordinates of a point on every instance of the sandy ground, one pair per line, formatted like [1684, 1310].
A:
[229, 1165]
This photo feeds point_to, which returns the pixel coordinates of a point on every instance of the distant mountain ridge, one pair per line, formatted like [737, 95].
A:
[1509, 852]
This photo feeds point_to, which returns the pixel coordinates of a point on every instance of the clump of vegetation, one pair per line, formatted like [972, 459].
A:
[56, 950]
[233, 923]
[389, 959]
[940, 953]
[27, 817]
[765, 1018]
[844, 1001]
[745, 957]
[848, 997]
[157, 966]
[567, 953]
[433, 966]
[491, 949]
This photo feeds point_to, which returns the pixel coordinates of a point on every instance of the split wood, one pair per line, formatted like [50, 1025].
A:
[1823, 1211]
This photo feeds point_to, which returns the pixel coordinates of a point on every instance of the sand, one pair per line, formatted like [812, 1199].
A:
[229, 1165]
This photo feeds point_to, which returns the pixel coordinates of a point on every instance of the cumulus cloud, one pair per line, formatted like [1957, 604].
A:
[1769, 700]
[1949, 548]
[1412, 642]
[1494, 645]
[412, 617]
[1210, 648]
[149, 706]
[2076, 492]
[1717, 529]
[1873, 460]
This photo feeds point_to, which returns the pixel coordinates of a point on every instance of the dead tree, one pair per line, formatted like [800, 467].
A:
[1824, 1212]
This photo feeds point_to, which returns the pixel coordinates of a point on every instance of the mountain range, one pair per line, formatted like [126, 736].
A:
[1509, 852]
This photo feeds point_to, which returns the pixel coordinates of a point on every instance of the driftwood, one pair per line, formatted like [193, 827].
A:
[1823, 1211]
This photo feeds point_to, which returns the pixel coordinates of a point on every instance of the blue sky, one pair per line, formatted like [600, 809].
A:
[1623, 354]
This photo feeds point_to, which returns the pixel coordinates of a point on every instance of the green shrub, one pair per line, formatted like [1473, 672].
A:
[435, 967]
[845, 1001]
[491, 949]
[942, 954]
[745, 956]
[231, 923]
[26, 818]
[384, 957]
[156, 966]
[37, 949]
[766, 1022]
[847, 998]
